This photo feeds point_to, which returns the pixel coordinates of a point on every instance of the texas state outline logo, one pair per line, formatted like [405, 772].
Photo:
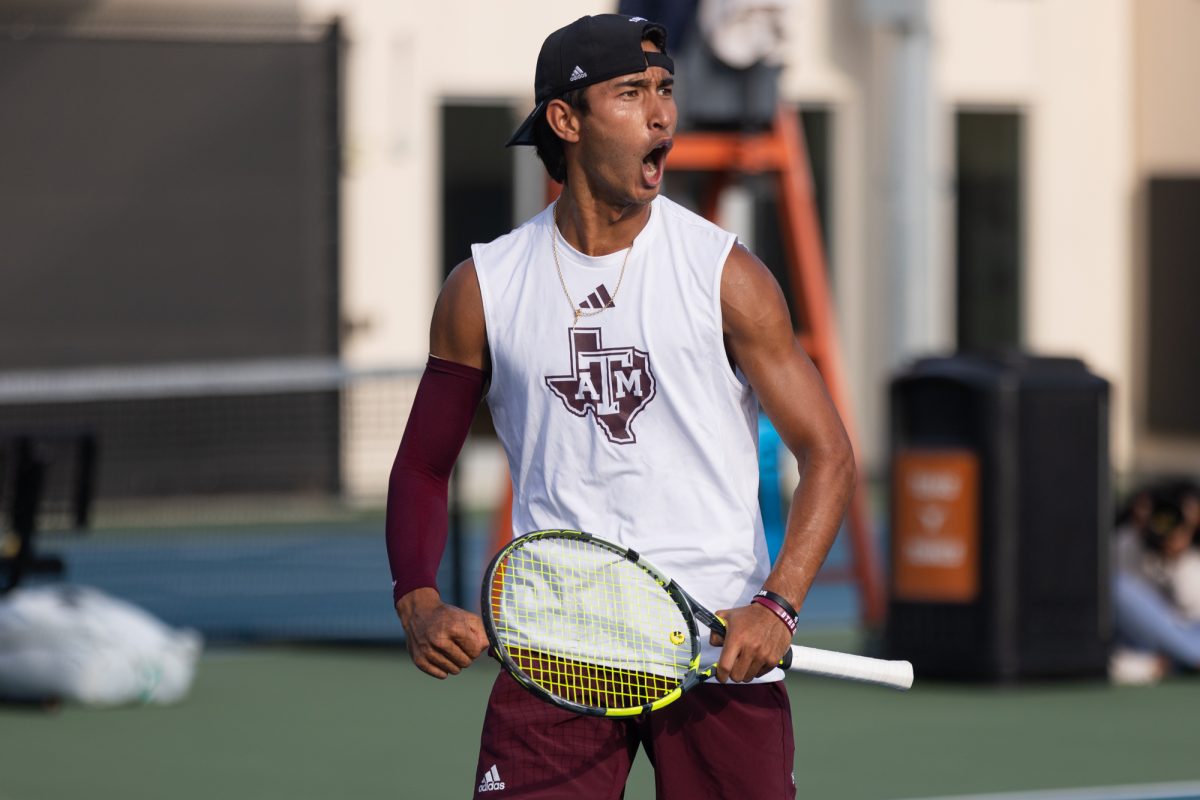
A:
[613, 384]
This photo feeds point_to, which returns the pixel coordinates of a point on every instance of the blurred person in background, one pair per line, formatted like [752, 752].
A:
[1156, 591]
[624, 345]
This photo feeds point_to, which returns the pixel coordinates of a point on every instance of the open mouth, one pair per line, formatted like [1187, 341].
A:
[654, 162]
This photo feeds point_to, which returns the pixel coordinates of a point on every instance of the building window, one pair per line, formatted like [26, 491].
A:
[477, 176]
[988, 230]
[1173, 321]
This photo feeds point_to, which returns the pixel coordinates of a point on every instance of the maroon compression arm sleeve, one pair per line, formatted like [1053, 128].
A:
[417, 517]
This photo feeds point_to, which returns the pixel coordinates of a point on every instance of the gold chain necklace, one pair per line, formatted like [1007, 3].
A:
[579, 312]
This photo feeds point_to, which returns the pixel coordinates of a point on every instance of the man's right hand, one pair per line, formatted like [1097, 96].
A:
[442, 639]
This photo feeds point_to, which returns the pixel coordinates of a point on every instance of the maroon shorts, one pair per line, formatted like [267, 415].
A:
[714, 742]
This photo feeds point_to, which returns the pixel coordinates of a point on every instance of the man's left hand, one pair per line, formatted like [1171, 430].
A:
[754, 642]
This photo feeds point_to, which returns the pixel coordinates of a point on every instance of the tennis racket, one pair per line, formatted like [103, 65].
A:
[591, 627]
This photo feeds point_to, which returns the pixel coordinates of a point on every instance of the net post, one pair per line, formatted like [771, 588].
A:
[28, 474]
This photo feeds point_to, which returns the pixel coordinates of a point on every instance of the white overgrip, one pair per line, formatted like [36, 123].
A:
[845, 666]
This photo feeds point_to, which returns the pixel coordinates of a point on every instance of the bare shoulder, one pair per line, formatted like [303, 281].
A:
[751, 300]
[461, 291]
[458, 332]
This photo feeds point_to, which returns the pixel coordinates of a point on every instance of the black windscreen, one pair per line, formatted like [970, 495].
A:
[167, 200]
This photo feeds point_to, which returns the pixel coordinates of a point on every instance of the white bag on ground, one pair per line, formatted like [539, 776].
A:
[79, 644]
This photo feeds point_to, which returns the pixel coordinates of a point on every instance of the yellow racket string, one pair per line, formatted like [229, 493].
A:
[588, 625]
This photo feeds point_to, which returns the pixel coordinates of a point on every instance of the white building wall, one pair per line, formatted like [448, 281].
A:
[1067, 64]
[402, 59]
[1166, 142]
[1079, 196]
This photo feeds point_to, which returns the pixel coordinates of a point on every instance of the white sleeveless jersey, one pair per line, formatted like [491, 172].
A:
[630, 425]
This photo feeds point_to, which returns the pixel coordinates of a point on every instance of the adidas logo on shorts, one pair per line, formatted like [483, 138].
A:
[491, 781]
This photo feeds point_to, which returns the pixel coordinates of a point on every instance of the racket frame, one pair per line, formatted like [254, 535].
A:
[896, 674]
[687, 607]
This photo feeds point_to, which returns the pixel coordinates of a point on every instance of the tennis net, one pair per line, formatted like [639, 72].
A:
[242, 498]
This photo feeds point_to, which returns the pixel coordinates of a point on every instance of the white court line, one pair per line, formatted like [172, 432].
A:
[1145, 791]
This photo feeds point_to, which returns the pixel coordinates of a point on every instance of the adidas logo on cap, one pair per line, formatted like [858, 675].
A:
[578, 73]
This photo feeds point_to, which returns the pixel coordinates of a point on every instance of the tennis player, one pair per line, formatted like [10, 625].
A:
[624, 346]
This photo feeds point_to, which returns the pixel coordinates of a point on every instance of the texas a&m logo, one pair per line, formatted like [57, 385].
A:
[613, 383]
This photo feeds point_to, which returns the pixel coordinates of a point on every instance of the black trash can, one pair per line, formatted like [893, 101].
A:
[1000, 512]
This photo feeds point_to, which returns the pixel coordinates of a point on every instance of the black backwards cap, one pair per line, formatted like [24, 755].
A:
[591, 50]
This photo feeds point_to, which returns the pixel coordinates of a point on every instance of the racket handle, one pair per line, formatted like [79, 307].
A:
[896, 674]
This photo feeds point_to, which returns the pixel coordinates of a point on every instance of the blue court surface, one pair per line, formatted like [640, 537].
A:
[296, 582]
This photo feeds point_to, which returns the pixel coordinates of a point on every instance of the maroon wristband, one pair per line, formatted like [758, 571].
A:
[777, 610]
[780, 600]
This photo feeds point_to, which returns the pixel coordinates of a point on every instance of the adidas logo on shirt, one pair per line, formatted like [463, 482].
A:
[491, 781]
[578, 73]
[598, 299]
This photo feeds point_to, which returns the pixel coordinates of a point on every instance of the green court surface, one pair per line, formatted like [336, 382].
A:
[324, 723]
